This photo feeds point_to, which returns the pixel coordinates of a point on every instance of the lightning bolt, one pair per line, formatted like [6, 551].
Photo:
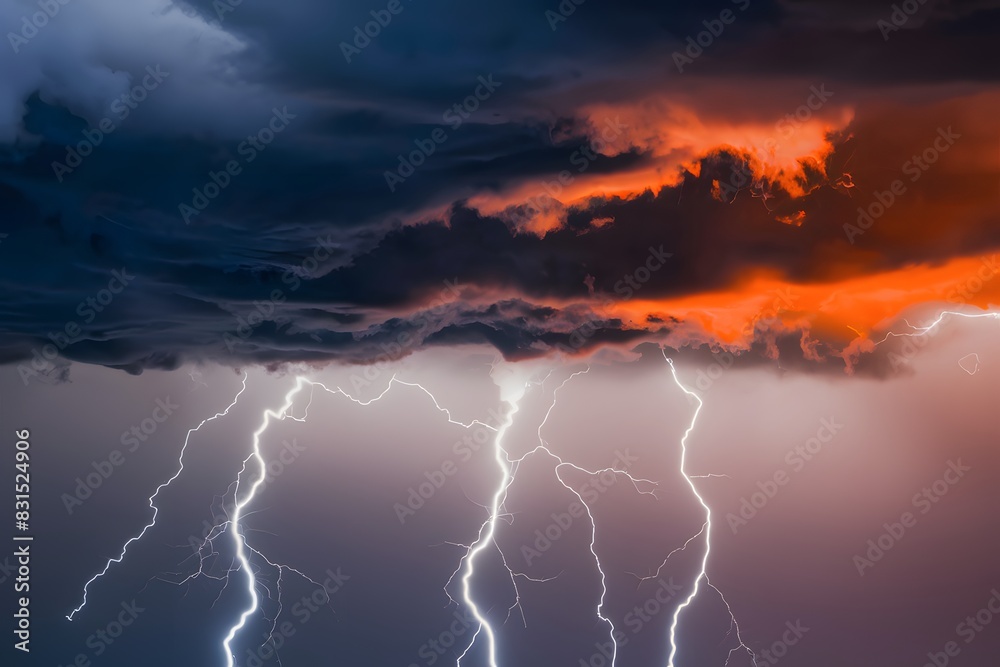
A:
[593, 524]
[487, 534]
[921, 331]
[234, 523]
[255, 459]
[706, 530]
[543, 446]
[241, 505]
[252, 474]
[152, 500]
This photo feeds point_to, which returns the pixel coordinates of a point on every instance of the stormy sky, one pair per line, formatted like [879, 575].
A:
[585, 218]
[386, 495]
[279, 186]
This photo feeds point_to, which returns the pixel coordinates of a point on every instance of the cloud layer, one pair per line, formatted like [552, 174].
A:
[294, 189]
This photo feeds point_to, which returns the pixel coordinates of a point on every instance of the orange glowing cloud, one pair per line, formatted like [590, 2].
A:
[674, 138]
[843, 314]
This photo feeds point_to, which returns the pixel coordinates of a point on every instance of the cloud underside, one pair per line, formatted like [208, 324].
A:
[802, 184]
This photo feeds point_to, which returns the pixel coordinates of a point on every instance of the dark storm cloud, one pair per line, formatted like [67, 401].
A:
[310, 218]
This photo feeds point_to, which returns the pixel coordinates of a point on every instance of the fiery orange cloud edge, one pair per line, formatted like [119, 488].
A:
[843, 314]
[674, 138]
[846, 316]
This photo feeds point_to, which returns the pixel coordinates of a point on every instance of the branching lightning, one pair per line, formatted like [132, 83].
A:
[706, 530]
[509, 467]
[235, 530]
[234, 522]
[252, 474]
[152, 500]
[486, 535]
[593, 524]
[921, 331]
[926, 330]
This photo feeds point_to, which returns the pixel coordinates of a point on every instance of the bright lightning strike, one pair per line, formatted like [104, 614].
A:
[487, 531]
[238, 511]
[152, 499]
[706, 530]
[239, 539]
[921, 331]
[486, 534]
[253, 473]
[233, 524]
[593, 524]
